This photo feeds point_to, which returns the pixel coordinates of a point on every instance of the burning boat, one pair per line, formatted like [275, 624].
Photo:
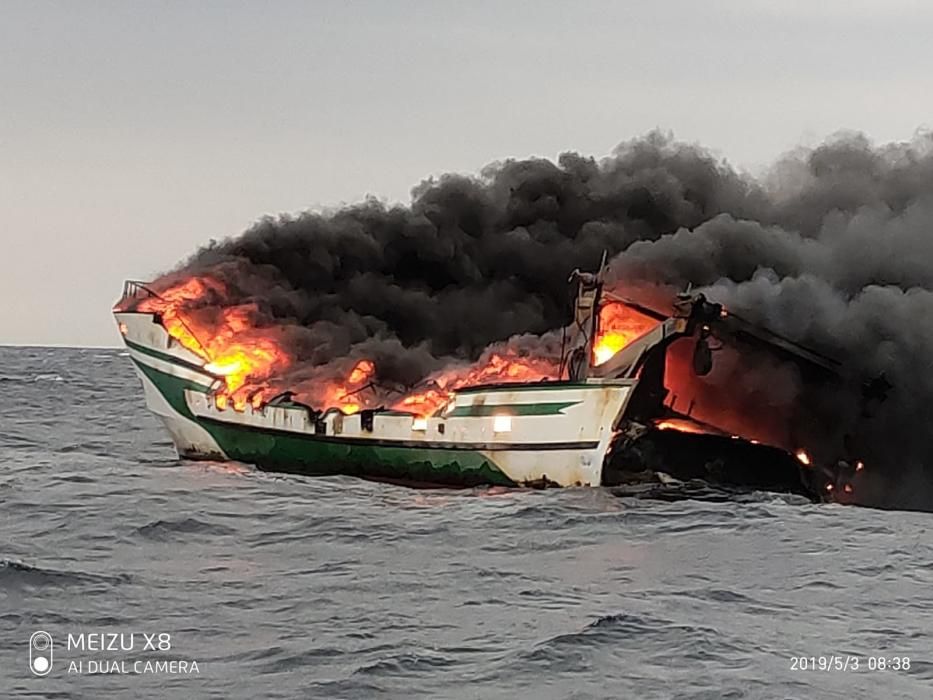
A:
[604, 419]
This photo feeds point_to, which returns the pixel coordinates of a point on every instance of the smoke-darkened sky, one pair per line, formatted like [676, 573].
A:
[133, 132]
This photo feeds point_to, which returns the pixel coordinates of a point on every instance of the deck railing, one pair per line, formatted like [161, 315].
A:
[134, 289]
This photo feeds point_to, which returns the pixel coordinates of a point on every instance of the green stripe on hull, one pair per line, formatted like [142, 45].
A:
[550, 385]
[165, 357]
[305, 454]
[171, 387]
[542, 408]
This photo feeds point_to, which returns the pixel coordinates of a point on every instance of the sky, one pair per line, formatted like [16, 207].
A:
[133, 132]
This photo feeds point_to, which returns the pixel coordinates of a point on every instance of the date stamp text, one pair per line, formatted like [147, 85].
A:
[849, 663]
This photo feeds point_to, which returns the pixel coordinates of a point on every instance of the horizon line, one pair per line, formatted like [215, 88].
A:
[63, 346]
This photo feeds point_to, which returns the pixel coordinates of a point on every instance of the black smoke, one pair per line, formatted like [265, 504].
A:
[833, 248]
[837, 254]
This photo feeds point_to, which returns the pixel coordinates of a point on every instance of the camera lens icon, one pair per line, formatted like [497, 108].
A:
[40, 653]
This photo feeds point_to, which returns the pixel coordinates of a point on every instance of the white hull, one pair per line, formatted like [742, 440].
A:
[557, 433]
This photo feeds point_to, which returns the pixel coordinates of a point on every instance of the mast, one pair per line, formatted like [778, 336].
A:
[585, 321]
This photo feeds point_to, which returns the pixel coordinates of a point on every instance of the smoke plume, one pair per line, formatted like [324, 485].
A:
[832, 248]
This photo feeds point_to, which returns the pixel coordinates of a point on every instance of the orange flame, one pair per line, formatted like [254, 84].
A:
[347, 395]
[230, 342]
[170, 303]
[425, 403]
[246, 355]
[499, 367]
[680, 425]
[619, 325]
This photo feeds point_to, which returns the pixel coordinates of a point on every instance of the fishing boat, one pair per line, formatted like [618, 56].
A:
[562, 432]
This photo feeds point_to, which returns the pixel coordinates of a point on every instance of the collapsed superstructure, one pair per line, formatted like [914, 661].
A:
[604, 419]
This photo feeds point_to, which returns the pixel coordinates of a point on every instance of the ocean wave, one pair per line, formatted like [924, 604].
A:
[30, 378]
[409, 663]
[618, 632]
[700, 490]
[13, 573]
[162, 530]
